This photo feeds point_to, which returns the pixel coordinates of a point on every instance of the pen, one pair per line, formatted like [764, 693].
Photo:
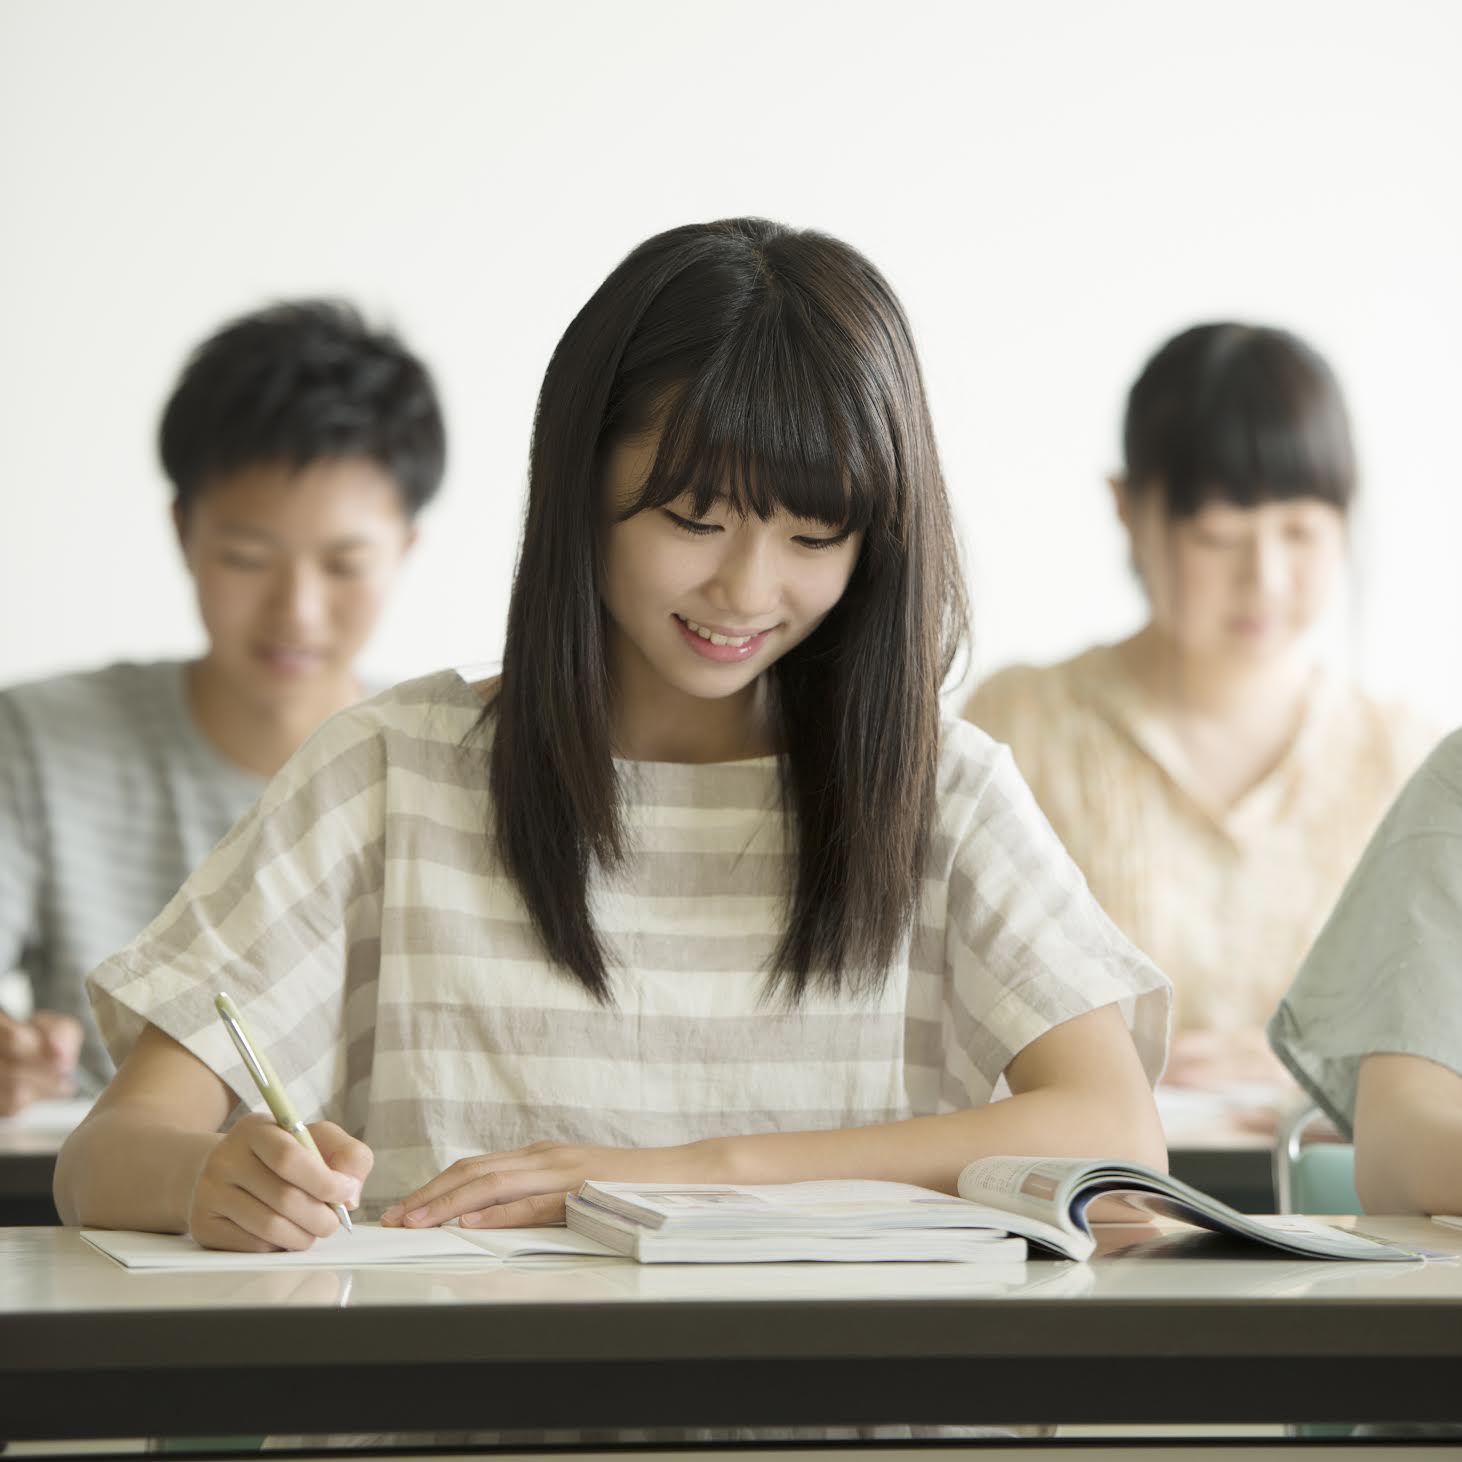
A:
[270, 1089]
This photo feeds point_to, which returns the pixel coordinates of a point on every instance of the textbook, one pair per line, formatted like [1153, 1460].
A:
[849, 1221]
[1002, 1202]
[368, 1244]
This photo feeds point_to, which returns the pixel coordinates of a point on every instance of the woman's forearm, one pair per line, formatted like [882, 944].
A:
[1408, 1136]
[1079, 1091]
[1419, 1170]
[126, 1169]
[932, 1151]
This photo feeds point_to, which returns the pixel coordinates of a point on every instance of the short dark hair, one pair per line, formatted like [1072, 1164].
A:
[778, 367]
[297, 383]
[1243, 414]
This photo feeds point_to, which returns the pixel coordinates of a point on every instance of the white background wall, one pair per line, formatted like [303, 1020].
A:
[1052, 185]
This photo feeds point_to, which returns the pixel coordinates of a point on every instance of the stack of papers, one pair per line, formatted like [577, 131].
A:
[853, 1221]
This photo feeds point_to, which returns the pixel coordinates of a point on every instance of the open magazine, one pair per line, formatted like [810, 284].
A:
[1003, 1202]
[1046, 1199]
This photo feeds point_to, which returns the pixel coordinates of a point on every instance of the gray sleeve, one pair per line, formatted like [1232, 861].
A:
[22, 842]
[1385, 973]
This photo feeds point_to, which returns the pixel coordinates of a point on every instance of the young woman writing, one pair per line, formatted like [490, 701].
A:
[702, 888]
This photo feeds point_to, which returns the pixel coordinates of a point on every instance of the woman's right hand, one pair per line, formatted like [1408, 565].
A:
[259, 1189]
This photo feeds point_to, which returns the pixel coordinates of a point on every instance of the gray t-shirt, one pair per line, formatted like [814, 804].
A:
[1386, 972]
[109, 797]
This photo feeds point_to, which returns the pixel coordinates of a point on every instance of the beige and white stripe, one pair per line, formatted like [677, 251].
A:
[360, 919]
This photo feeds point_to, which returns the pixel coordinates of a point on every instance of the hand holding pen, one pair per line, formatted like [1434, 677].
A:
[273, 1182]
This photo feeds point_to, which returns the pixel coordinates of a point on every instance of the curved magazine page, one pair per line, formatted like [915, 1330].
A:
[1056, 1192]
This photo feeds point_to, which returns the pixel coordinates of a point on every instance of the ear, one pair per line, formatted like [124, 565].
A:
[180, 525]
[412, 534]
[1121, 499]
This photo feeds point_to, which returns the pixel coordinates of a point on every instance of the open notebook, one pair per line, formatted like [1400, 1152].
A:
[369, 1244]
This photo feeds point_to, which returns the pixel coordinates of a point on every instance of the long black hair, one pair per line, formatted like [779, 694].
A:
[780, 370]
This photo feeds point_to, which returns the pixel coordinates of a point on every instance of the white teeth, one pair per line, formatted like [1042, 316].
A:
[712, 636]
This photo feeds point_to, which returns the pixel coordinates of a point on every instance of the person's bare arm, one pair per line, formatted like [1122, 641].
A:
[1408, 1135]
[134, 1160]
[149, 1156]
[1077, 1091]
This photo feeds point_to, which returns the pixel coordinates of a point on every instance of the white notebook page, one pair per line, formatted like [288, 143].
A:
[369, 1244]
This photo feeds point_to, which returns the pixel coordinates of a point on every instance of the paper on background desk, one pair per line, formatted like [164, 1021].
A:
[58, 1116]
[369, 1244]
[1190, 1114]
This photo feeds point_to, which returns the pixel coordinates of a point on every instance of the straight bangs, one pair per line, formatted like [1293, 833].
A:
[771, 423]
[1259, 442]
[1243, 415]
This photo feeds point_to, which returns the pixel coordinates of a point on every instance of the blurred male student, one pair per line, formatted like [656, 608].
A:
[301, 443]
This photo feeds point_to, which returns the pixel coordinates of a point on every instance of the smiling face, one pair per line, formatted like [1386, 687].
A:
[701, 606]
[292, 568]
[1236, 582]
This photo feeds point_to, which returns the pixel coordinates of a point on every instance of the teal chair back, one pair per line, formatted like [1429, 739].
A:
[1315, 1177]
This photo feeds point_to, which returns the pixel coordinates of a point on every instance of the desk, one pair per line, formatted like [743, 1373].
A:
[28, 1147]
[1235, 1167]
[1212, 1147]
[1166, 1325]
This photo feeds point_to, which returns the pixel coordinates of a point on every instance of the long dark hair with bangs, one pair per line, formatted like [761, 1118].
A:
[780, 371]
[1242, 414]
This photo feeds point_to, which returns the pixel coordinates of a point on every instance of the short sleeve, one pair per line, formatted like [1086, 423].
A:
[1384, 973]
[1028, 947]
[22, 843]
[272, 917]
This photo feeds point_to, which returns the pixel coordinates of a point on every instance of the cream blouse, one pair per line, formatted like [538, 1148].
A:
[1226, 903]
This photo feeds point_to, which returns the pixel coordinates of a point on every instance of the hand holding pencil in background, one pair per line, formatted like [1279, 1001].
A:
[37, 1059]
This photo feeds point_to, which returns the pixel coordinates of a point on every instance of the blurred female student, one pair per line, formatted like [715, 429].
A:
[701, 889]
[1210, 776]
[300, 444]
[1372, 1027]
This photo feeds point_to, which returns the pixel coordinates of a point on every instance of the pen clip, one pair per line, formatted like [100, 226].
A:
[256, 1069]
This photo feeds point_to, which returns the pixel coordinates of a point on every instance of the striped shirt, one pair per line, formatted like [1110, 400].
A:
[109, 797]
[361, 920]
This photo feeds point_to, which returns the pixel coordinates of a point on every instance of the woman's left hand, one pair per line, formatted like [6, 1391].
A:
[526, 1187]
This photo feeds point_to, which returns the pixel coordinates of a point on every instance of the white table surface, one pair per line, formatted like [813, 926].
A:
[1216, 1333]
[52, 1271]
